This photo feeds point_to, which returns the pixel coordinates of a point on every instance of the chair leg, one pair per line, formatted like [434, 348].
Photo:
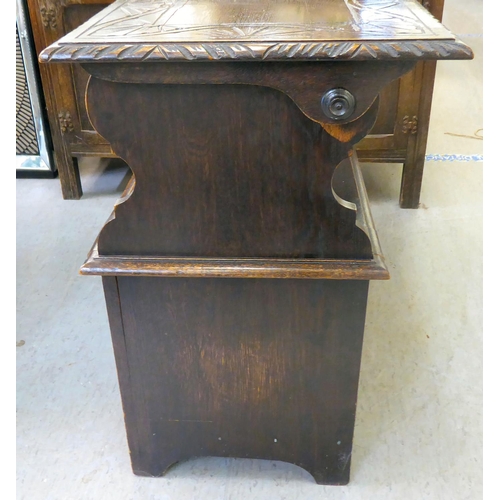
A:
[411, 183]
[69, 175]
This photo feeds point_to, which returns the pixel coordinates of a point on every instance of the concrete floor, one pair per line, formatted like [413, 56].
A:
[418, 431]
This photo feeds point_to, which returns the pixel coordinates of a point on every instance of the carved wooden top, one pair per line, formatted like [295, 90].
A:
[159, 30]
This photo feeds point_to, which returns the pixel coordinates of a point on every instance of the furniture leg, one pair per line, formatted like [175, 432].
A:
[411, 182]
[69, 174]
[413, 168]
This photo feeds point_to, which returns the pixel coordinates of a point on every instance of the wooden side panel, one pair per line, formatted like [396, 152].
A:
[223, 171]
[241, 368]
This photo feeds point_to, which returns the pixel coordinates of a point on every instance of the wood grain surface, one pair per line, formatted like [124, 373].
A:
[226, 30]
[239, 368]
[240, 170]
[223, 171]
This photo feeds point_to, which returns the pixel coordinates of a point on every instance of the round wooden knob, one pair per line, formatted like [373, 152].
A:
[338, 104]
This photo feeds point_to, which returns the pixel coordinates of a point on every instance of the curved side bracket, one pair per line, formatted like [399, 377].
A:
[306, 83]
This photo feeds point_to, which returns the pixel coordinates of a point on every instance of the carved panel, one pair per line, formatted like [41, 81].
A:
[48, 14]
[146, 30]
[227, 20]
[65, 122]
[410, 125]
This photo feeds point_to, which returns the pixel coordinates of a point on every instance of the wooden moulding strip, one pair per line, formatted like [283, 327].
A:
[233, 268]
[365, 218]
[207, 267]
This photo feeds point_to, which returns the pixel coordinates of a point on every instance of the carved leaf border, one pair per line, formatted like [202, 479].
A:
[343, 50]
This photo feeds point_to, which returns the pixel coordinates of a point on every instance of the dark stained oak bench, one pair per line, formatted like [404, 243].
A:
[236, 265]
